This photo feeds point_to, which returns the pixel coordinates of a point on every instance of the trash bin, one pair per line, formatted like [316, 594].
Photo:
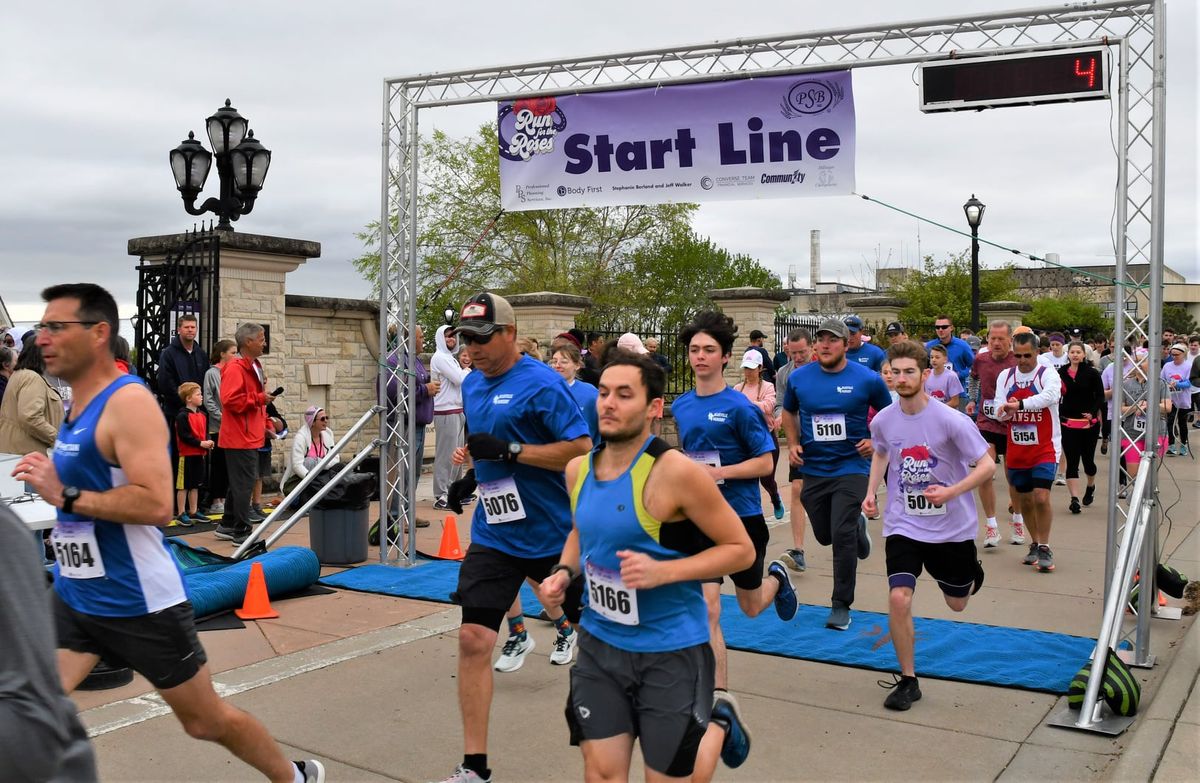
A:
[338, 536]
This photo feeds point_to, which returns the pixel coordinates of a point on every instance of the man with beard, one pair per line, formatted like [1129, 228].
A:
[929, 522]
[645, 667]
[829, 442]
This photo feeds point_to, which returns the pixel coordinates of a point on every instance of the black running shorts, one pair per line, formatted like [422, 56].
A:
[752, 577]
[161, 646]
[953, 564]
[489, 581]
[997, 440]
[664, 699]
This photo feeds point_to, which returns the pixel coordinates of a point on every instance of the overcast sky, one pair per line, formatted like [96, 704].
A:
[95, 95]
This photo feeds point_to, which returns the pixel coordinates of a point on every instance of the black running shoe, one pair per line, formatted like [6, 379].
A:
[905, 691]
[1089, 495]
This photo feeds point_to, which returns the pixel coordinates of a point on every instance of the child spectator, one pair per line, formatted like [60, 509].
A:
[942, 385]
[191, 435]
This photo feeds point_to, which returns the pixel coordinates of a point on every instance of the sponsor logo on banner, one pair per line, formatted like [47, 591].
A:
[698, 142]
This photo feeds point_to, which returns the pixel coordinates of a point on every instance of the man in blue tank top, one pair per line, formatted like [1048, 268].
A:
[524, 427]
[721, 429]
[649, 523]
[117, 589]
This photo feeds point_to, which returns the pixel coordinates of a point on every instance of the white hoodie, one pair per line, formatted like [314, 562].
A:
[445, 368]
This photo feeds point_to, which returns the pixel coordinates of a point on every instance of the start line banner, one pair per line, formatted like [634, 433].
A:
[773, 137]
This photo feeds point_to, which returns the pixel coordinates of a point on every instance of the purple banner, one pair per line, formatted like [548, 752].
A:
[775, 137]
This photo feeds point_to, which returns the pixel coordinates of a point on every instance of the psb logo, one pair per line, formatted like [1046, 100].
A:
[811, 96]
[706, 183]
[718, 416]
[502, 399]
[528, 127]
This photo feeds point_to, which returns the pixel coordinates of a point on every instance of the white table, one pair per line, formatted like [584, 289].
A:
[37, 514]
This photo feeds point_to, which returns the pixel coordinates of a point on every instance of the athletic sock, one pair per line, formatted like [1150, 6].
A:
[477, 763]
[516, 625]
[563, 625]
[991, 522]
[1019, 519]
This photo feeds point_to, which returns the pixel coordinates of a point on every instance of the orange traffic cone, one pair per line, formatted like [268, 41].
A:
[257, 605]
[449, 548]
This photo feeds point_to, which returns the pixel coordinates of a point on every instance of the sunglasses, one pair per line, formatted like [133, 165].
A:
[1023, 355]
[322, 418]
[942, 326]
[478, 339]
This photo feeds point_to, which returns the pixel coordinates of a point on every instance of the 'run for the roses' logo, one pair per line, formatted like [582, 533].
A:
[528, 126]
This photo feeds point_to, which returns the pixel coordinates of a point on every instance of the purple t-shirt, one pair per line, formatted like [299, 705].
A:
[943, 387]
[932, 447]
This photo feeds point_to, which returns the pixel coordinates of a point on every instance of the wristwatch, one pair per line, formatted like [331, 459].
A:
[514, 451]
[70, 495]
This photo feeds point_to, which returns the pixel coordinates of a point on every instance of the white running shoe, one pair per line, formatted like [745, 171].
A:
[564, 649]
[1060, 480]
[464, 775]
[1018, 533]
[992, 538]
[512, 657]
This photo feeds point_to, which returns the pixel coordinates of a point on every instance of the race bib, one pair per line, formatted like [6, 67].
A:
[1139, 423]
[609, 597]
[1025, 434]
[707, 458]
[76, 550]
[829, 426]
[989, 409]
[501, 501]
[917, 505]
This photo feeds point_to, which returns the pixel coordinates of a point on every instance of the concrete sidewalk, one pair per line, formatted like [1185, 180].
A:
[367, 683]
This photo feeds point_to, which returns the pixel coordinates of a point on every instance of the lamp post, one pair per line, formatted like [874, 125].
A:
[449, 316]
[242, 164]
[974, 209]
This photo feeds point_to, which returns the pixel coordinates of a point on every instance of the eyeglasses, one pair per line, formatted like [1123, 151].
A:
[1023, 355]
[942, 326]
[57, 327]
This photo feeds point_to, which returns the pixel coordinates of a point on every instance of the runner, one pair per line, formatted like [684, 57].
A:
[645, 667]
[799, 352]
[1135, 408]
[959, 351]
[929, 522]
[117, 589]
[859, 352]
[525, 427]
[1026, 400]
[987, 367]
[942, 383]
[830, 448]
[722, 429]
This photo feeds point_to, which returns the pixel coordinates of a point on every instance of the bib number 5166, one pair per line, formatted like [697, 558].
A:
[610, 598]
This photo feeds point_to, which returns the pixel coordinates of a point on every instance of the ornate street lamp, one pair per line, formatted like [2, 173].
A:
[974, 209]
[242, 164]
[450, 313]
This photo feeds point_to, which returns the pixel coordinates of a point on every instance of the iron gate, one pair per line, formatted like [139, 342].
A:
[187, 281]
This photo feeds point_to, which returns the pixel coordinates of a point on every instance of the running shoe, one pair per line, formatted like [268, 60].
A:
[785, 600]
[1172, 451]
[312, 770]
[991, 538]
[231, 534]
[464, 775]
[864, 538]
[512, 657]
[1018, 534]
[1104, 447]
[184, 520]
[1060, 480]
[217, 508]
[1184, 451]
[1075, 507]
[1124, 493]
[839, 617]
[736, 747]
[1045, 559]
[905, 691]
[1089, 495]
[469, 499]
[440, 504]
[1032, 556]
[778, 505]
[564, 649]
[794, 559]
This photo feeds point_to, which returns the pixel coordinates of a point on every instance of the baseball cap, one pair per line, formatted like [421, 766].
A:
[484, 313]
[569, 338]
[895, 327]
[756, 335]
[752, 359]
[631, 342]
[834, 326]
[853, 323]
[1179, 347]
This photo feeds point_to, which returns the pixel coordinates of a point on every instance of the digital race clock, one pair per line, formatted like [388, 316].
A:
[1015, 79]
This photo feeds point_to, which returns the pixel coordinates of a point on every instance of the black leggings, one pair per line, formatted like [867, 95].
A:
[1080, 444]
[768, 482]
[1177, 419]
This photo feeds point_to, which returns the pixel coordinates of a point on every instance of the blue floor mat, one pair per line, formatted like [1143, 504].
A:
[984, 654]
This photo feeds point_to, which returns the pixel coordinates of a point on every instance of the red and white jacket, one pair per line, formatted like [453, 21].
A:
[1033, 433]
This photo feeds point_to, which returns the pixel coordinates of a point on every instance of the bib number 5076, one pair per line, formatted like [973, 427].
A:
[501, 504]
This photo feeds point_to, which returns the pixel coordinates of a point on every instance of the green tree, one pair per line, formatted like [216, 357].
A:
[576, 251]
[944, 288]
[1179, 319]
[1066, 311]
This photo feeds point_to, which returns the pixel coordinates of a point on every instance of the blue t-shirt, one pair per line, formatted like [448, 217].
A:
[528, 404]
[730, 425]
[833, 415]
[585, 396]
[961, 357]
[869, 355]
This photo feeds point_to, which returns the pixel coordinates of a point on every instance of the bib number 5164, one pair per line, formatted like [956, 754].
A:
[73, 554]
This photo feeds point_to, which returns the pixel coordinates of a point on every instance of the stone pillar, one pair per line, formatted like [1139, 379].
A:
[1013, 312]
[544, 314]
[877, 311]
[750, 309]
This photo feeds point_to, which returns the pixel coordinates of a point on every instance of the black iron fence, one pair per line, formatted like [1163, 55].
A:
[679, 374]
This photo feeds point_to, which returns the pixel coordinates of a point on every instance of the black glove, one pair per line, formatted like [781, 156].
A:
[460, 490]
[487, 447]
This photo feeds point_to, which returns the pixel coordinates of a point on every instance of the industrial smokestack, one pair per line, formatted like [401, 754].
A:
[814, 255]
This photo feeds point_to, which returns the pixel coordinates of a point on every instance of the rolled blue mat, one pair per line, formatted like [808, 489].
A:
[287, 570]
